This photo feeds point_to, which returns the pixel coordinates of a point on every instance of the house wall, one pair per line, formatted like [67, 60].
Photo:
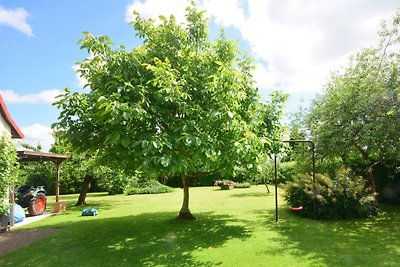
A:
[4, 125]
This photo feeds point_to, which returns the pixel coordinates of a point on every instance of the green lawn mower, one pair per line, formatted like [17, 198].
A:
[33, 198]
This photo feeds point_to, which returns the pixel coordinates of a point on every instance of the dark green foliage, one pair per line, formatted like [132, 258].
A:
[286, 170]
[112, 181]
[344, 196]
[388, 182]
[40, 173]
[202, 180]
[147, 187]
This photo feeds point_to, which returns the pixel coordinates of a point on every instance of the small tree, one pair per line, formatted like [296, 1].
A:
[179, 105]
[8, 159]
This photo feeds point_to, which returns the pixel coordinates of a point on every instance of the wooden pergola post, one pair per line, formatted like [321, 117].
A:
[58, 172]
[59, 206]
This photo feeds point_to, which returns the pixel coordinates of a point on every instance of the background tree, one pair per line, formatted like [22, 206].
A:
[178, 105]
[84, 172]
[357, 118]
[78, 171]
[81, 173]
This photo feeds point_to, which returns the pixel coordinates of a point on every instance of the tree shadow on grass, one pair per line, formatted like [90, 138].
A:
[148, 239]
[352, 242]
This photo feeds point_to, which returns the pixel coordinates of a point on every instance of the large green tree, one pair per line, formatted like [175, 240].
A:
[358, 116]
[179, 105]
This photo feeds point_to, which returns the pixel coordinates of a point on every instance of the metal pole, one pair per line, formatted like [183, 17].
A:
[313, 171]
[276, 189]
[313, 177]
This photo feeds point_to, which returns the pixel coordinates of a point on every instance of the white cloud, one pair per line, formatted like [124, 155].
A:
[154, 8]
[303, 40]
[16, 18]
[46, 96]
[226, 13]
[81, 81]
[37, 134]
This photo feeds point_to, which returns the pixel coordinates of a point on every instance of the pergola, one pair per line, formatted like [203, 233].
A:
[37, 156]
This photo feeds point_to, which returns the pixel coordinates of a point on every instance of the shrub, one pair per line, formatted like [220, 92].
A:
[8, 159]
[200, 180]
[345, 196]
[225, 184]
[243, 185]
[147, 187]
[112, 181]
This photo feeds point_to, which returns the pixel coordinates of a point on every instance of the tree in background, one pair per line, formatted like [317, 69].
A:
[83, 170]
[80, 173]
[179, 105]
[357, 118]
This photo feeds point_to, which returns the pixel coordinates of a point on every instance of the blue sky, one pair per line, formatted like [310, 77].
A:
[296, 44]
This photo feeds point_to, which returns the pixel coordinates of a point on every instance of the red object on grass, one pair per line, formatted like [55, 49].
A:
[296, 208]
[40, 205]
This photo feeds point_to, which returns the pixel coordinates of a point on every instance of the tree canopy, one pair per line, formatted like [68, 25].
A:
[178, 105]
[358, 115]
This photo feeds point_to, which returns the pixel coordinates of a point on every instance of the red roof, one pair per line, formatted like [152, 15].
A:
[15, 131]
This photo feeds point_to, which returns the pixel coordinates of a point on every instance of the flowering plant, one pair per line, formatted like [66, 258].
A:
[225, 184]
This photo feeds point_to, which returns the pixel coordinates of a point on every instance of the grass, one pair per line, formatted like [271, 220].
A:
[234, 228]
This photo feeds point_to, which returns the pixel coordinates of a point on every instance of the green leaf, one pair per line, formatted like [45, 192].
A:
[197, 141]
[156, 144]
[165, 160]
[125, 142]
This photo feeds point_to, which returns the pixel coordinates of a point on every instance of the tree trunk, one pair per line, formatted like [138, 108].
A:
[84, 190]
[266, 185]
[184, 213]
[368, 175]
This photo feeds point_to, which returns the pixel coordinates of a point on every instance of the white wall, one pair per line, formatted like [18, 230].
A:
[4, 125]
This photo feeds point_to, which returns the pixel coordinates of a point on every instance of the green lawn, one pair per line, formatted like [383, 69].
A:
[234, 228]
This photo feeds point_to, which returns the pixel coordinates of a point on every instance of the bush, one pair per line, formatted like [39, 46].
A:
[243, 185]
[8, 159]
[147, 187]
[112, 181]
[199, 180]
[225, 184]
[345, 196]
